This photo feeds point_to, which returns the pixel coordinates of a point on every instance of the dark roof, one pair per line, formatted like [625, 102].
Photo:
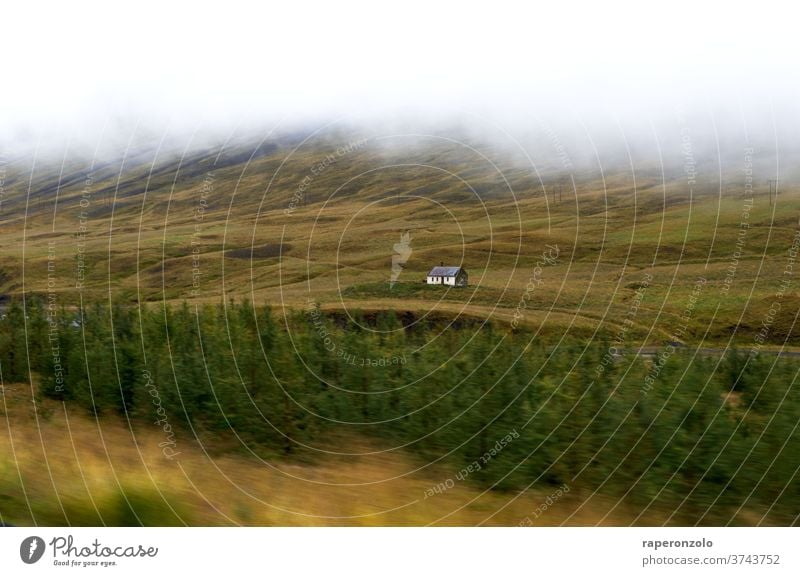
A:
[445, 271]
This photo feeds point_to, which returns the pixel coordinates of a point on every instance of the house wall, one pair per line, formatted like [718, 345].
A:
[448, 281]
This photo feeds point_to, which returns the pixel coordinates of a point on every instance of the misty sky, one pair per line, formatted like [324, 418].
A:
[76, 69]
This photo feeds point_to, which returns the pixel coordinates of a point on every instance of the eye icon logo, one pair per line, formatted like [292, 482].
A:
[31, 550]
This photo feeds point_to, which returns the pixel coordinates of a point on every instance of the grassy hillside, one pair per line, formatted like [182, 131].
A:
[126, 279]
[222, 224]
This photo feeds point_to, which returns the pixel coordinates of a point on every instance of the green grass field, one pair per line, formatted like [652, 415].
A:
[637, 260]
[204, 232]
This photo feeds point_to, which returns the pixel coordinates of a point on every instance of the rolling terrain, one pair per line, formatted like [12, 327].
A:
[289, 222]
[165, 262]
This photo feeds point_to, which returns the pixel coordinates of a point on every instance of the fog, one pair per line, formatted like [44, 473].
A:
[616, 78]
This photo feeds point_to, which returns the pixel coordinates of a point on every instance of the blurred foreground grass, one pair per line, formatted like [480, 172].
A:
[60, 467]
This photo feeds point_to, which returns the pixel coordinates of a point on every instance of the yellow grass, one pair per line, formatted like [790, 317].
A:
[63, 467]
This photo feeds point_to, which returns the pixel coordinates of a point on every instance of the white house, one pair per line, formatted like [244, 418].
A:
[448, 276]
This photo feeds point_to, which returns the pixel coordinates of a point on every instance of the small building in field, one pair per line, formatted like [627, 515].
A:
[448, 276]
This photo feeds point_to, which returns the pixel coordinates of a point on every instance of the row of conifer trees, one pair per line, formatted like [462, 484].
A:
[710, 434]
